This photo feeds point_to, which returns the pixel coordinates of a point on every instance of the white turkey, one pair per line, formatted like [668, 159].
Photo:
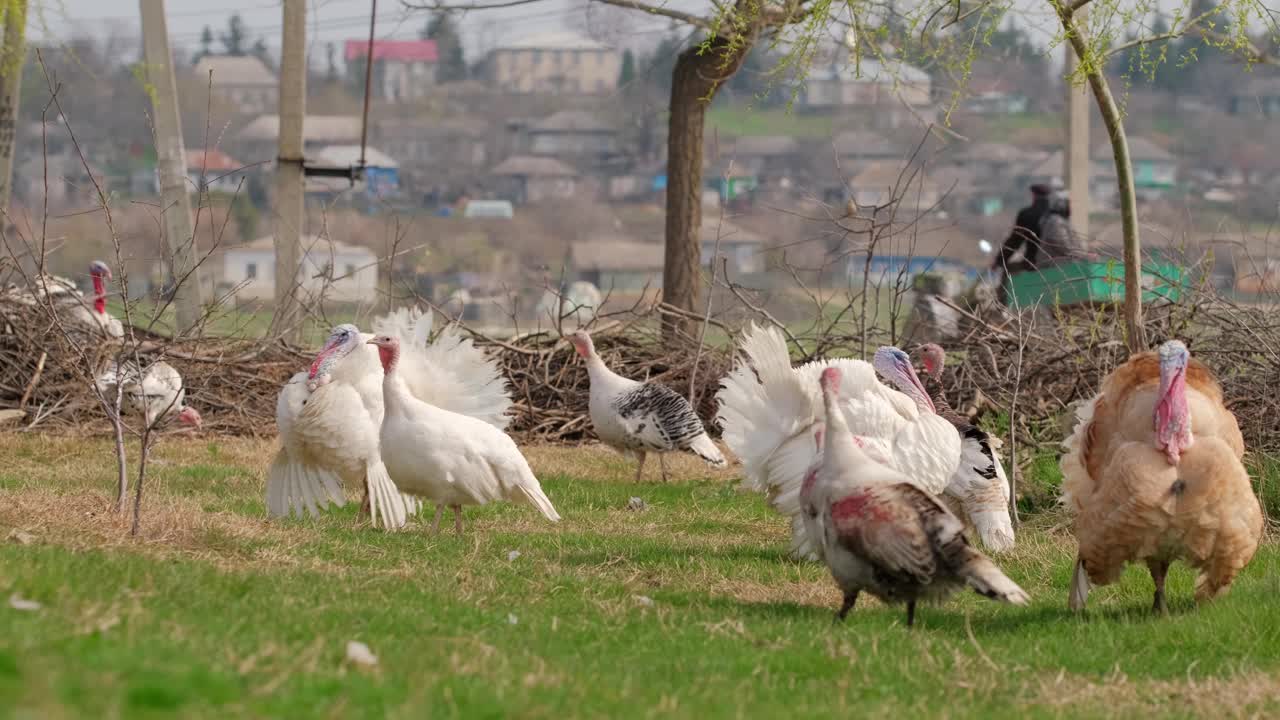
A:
[447, 457]
[70, 304]
[576, 306]
[158, 394]
[638, 418]
[336, 436]
[769, 412]
[980, 484]
[884, 535]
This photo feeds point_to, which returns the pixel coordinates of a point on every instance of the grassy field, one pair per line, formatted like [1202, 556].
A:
[687, 608]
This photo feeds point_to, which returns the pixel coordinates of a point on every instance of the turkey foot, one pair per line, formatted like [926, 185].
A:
[1158, 571]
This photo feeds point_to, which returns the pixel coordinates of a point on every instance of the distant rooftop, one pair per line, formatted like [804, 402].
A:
[1140, 148]
[872, 71]
[212, 160]
[397, 50]
[315, 128]
[563, 40]
[238, 70]
[571, 121]
[531, 166]
[349, 155]
[313, 245]
[616, 254]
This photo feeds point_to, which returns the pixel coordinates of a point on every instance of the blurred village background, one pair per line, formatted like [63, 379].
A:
[539, 162]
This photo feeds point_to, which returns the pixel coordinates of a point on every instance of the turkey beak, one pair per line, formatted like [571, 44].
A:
[371, 341]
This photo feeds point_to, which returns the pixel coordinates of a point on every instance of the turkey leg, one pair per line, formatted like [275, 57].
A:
[457, 519]
[640, 469]
[1159, 568]
[847, 605]
[435, 526]
[1079, 587]
[662, 463]
[911, 613]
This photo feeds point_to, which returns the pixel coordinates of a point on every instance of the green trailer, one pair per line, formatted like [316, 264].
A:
[1086, 282]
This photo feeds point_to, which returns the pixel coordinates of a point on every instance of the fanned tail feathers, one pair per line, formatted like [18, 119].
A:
[410, 324]
[385, 500]
[293, 486]
[763, 405]
[450, 373]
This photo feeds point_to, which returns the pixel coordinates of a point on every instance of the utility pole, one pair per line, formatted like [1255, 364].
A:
[1075, 155]
[12, 59]
[171, 158]
[289, 169]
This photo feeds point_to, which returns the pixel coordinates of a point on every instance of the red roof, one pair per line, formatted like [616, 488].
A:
[213, 160]
[399, 50]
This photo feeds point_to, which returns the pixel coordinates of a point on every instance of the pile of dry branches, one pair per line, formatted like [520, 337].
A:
[46, 374]
[1043, 363]
[549, 384]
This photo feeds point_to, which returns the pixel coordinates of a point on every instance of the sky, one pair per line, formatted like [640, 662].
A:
[335, 21]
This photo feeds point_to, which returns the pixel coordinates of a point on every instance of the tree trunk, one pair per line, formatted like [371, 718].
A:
[1135, 333]
[12, 59]
[699, 73]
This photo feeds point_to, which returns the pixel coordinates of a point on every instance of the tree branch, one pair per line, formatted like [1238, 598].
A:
[1171, 35]
[1075, 7]
[683, 17]
[687, 18]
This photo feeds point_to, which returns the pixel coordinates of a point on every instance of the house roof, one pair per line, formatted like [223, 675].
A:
[349, 155]
[871, 70]
[1262, 82]
[993, 152]
[886, 174]
[1051, 166]
[311, 244]
[237, 70]
[562, 40]
[760, 146]
[212, 160]
[611, 253]
[729, 233]
[397, 50]
[531, 166]
[1140, 148]
[416, 127]
[571, 121]
[315, 128]
[864, 143]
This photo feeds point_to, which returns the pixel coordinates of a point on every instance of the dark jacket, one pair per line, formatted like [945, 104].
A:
[1026, 230]
[1057, 242]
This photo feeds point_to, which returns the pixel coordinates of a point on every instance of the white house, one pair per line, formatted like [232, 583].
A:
[244, 82]
[331, 270]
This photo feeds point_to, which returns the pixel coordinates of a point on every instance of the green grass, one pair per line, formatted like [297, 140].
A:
[686, 609]
[738, 121]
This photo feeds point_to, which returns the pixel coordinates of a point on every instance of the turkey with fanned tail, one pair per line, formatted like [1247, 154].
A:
[769, 412]
[328, 436]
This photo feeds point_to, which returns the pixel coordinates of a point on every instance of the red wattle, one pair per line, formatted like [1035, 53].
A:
[99, 294]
